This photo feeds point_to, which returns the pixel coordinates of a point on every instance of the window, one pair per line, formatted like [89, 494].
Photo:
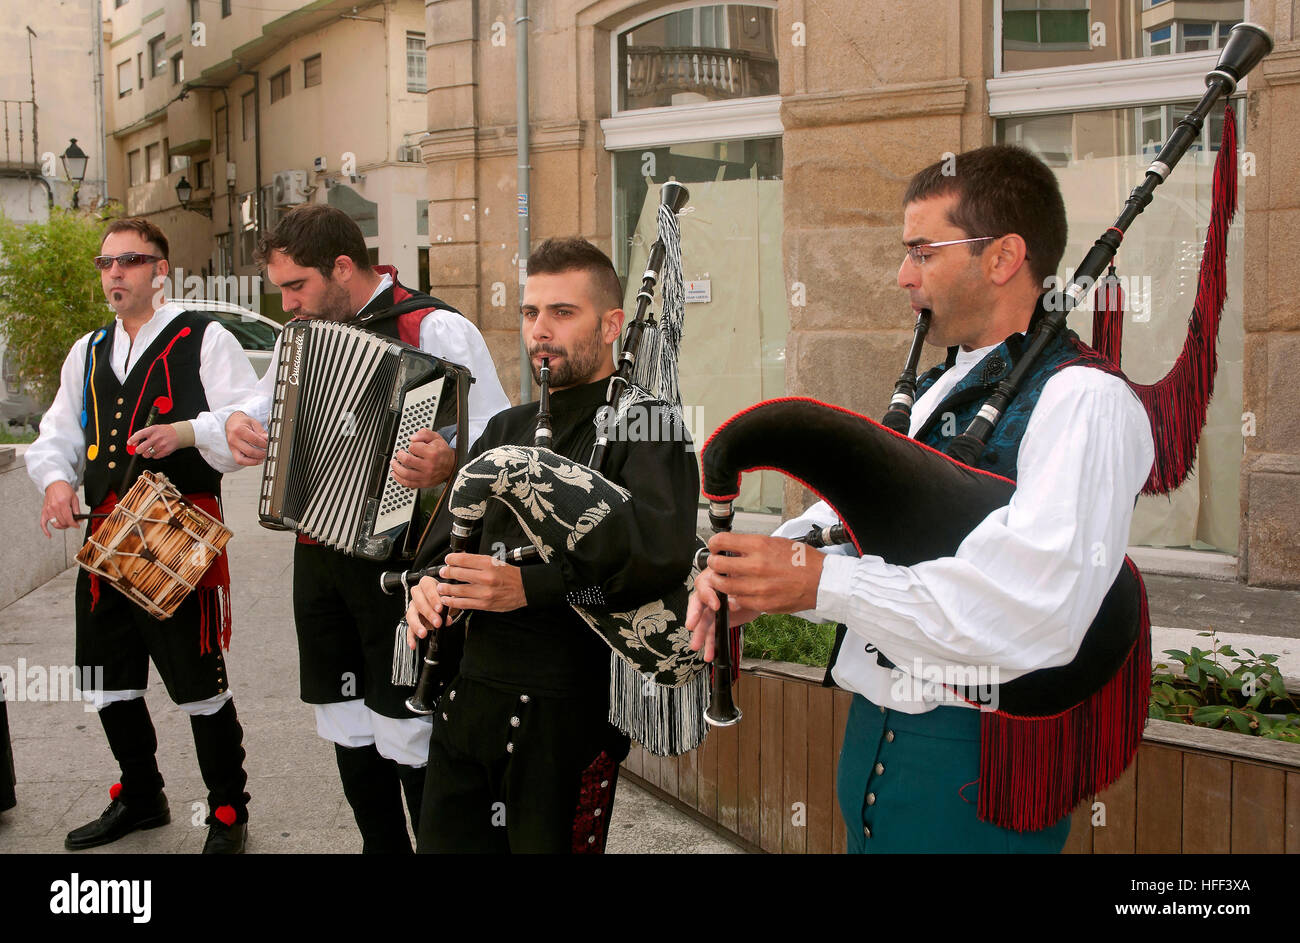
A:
[1183, 36]
[696, 101]
[118, 3]
[153, 161]
[134, 168]
[279, 85]
[175, 162]
[1039, 24]
[416, 78]
[157, 56]
[178, 68]
[203, 175]
[225, 263]
[225, 8]
[247, 205]
[248, 107]
[1160, 41]
[311, 71]
[222, 130]
[124, 81]
[708, 53]
[139, 69]
[195, 16]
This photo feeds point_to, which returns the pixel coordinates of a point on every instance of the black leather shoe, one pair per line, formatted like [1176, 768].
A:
[117, 820]
[226, 839]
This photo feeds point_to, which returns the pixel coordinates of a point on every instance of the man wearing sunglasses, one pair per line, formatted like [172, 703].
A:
[982, 241]
[192, 372]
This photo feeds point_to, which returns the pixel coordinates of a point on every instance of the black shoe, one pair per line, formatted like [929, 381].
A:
[226, 839]
[117, 820]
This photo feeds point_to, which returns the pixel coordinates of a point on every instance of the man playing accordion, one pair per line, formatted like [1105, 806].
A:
[1023, 587]
[317, 257]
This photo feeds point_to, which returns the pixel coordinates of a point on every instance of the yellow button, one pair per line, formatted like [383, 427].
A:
[871, 798]
[119, 401]
[889, 736]
[112, 448]
[112, 432]
[112, 464]
[866, 831]
[880, 768]
[117, 415]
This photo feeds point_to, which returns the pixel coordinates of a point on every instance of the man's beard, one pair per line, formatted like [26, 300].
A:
[577, 367]
[335, 305]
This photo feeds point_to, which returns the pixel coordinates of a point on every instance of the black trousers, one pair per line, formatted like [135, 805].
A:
[513, 772]
[118, 636]
[346, 626]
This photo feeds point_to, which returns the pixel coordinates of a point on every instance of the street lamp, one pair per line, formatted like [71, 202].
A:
[183, 193]
[74, 167]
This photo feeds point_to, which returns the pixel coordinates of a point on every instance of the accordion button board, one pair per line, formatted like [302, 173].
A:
[345, 401]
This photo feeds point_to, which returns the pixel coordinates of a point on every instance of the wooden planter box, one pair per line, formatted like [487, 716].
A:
[1190, 790]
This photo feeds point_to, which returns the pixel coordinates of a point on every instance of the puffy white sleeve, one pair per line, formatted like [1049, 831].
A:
[452, 337]
[59, 452]
[229, 383]
[1023, 587]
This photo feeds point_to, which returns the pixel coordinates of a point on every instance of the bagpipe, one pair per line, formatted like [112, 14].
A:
[658, 686]
[1058, 734]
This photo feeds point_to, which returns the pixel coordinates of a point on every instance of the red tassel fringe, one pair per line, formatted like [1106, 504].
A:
[1177, 403]
[1034, 771]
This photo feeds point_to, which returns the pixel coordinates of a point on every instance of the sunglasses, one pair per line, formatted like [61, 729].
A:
[126, 260]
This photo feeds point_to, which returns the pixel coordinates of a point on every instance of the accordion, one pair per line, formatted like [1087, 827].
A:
[345, 401]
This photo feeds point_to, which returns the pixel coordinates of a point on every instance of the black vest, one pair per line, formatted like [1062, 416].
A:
[169, 369]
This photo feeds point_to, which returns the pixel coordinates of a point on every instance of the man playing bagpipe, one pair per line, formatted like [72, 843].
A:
[928, 765]
[523, 756]
[317, 257]
[192, 371]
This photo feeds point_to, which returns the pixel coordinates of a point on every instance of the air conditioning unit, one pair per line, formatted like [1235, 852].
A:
[409, 153]
[289, 187]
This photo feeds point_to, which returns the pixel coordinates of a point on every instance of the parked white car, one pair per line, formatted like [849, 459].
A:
[255, 332]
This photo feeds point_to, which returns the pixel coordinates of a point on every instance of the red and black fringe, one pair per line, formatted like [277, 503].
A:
[1177, 402]
[1035, 770]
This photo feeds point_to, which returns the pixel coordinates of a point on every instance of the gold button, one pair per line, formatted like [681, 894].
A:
[866, 831]
[871, 798]
[112, 432]
[112, 464]
[119, 401]
[882, 708]
[889, 736]
[880, 768]
[112, 448]
[117, 415]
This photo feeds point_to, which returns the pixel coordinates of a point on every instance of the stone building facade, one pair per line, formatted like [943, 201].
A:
[799, 122]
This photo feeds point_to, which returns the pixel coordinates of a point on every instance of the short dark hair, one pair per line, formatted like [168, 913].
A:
[573, 253]
[314, 235]
[1001, 189]
[142, 228]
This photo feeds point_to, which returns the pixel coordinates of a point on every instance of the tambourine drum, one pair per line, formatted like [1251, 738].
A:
[154, 546]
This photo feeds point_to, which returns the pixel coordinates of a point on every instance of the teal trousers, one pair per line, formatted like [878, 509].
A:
[910, 783]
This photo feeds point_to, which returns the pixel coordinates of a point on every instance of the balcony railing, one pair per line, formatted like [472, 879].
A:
[18, 136]
[714, 73]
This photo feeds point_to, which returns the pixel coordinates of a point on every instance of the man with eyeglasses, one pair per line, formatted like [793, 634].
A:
[193, 372]
[982, 241]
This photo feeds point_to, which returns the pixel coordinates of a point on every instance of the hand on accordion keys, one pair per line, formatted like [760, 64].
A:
[427, 461]
[246, 438]
[764, 574]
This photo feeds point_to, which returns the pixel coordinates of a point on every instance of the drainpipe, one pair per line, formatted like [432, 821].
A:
[522, 200]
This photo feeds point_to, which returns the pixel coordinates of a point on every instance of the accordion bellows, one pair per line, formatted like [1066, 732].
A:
[345, 400]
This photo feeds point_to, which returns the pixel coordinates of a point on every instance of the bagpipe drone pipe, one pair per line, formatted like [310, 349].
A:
[1055, 736]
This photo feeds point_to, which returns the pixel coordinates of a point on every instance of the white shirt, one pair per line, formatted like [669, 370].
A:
[1023, 587]
[444, 334]
[59, 454]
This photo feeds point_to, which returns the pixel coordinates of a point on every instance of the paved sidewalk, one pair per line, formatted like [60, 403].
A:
[65, 768]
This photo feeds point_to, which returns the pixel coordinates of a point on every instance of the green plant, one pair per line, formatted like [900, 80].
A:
[50, 293]
[789, 638]
[1249, 695]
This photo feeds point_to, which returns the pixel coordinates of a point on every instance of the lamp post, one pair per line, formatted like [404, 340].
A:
[74, 167]
[183, 193]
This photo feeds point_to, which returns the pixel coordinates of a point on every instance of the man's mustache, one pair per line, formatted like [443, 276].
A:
[547, 349]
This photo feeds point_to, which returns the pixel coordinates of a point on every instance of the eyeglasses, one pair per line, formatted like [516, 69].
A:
[917, 253]
[126, 260]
